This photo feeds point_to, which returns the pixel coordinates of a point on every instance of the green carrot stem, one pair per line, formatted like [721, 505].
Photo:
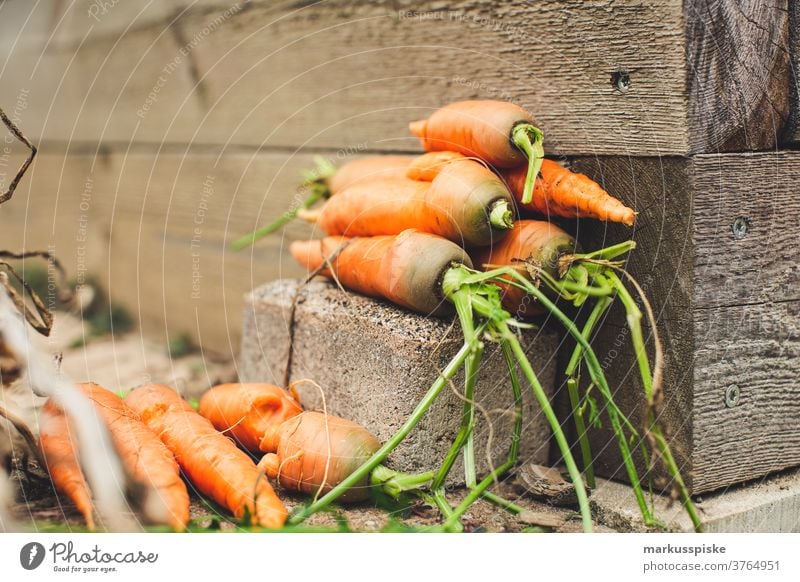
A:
[394, 483]
[610, 252]
[516, 431]
[599, 309]
[509, 506]
[530, 140]
[596, 373]
[544, 403]
[634, 318]
[378, 457]
[580, 428]
[501, 216]
[314, 196]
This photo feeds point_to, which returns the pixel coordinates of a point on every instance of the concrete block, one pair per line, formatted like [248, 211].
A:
[373, 362]
[768, 505]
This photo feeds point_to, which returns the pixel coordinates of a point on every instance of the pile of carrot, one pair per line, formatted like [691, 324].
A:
[462, 230]
[466, 227]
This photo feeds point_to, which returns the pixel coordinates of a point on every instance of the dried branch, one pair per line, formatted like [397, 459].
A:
[6, 196]
[99, 460]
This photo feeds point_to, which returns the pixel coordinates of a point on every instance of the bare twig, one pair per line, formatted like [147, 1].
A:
[6, 196]
[101, 464]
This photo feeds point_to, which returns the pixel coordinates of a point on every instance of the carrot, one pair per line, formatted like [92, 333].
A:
[212, 461]
[246, 411]
[498, 132]
[326, 180]
[465, 202]
[562, 192]
[366, 170]
[530, 241]
[406, 269]
[61, 460]
[314, 452]
[145, 457]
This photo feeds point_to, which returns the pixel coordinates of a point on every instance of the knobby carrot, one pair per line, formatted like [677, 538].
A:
[246, 411]
[530, 243]
[465, 202]
[212, 461]
[406, 269]
[145, 457]
[498, 132]
[561, 192]
[59, 452]
[314, 452]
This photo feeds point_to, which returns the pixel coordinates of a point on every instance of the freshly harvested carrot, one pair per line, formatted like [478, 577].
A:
[246, 411]
[314, 452]
[212, 461]
[145, 457]
[365, 170]
[498, 132]
[406, 269]
[465, 203]
[59, 452]
[536, 242]
[326, 180]
[562, 192]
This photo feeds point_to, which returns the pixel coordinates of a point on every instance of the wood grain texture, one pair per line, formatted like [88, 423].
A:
[739, 74]
[348, 75]
[746, 228]
[757, 348]
[154, 229]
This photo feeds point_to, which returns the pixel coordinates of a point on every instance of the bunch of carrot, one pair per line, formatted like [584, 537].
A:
[398, 206]
[409, 229]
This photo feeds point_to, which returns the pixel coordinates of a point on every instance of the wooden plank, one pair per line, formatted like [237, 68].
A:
[329, 75]
[745, 228]
[739, 74]
[156, 229]
[757, 349]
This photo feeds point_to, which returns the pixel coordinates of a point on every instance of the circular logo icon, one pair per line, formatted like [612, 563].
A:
[31, 555]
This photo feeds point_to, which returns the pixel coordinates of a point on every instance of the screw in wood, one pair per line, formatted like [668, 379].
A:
[740, 227]
[732, 395]
[621, 81]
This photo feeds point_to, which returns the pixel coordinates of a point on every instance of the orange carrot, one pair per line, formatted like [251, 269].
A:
[145, 457]
[498, 132]
[313, 452]
[465, 202]
[536, 241]
[60, 457]
[562, 192]
[406, 269]
[212, 461]
[246, 411]
[365, 170]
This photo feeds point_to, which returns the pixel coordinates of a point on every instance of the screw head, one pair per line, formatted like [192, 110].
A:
[621, 81]
[732, 395]
[740, 227]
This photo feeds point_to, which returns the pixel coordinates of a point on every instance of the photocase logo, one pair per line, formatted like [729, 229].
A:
[31, 555]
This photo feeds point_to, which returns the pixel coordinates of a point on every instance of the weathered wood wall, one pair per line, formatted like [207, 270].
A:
[147, 113]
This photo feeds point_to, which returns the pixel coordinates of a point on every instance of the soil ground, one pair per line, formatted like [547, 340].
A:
[123, 362]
